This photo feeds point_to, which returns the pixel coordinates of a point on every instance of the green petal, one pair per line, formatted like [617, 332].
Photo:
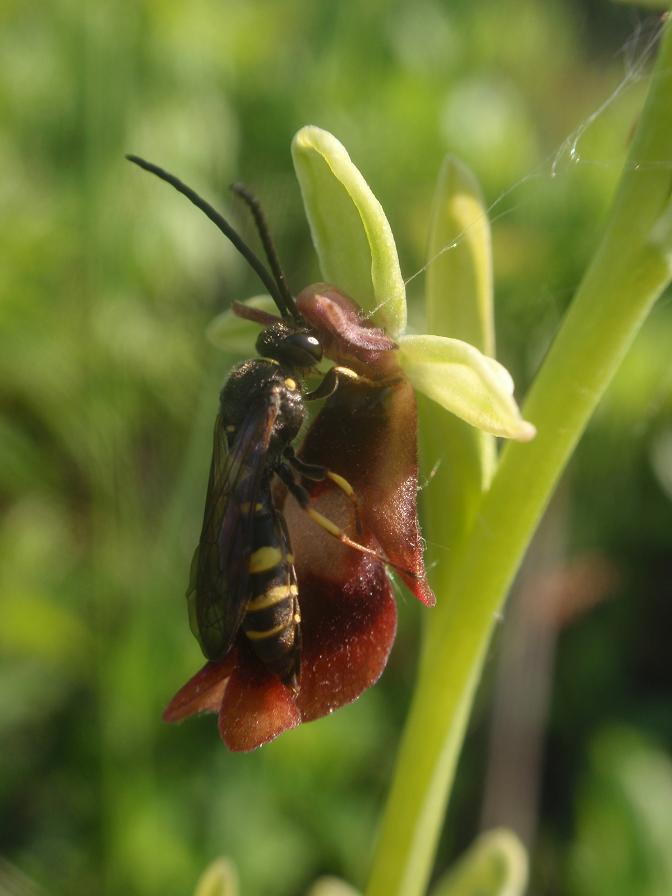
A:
[465, 382]
[235, 335]
[459, 276]
[459, 305]
[351, 234]
[496, 865]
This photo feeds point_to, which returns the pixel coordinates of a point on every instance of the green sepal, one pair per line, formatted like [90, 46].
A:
[350, 232]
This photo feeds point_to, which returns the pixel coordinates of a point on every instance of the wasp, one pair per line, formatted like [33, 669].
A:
[243, 576]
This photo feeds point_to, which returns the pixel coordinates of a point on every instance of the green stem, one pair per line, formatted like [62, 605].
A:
[629, 271]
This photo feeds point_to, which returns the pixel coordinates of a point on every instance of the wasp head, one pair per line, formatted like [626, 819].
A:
[294, 347]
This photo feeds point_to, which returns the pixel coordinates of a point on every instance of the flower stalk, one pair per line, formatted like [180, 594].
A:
[631, 268]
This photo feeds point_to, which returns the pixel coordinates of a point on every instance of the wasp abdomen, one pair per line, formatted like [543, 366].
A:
[272, 618]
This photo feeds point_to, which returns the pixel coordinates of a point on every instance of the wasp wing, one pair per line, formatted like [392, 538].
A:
[218, 587]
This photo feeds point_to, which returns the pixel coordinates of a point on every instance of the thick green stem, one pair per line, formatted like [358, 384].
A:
[631, 268]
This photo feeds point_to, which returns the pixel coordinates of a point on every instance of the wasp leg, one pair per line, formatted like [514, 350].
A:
[303, 499]
[317, 473]
[333, 376]
[330, 383]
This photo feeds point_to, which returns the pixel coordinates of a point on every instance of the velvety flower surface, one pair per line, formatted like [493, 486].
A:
[366, 432]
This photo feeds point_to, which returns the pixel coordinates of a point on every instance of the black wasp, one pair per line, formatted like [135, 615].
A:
[242, 575]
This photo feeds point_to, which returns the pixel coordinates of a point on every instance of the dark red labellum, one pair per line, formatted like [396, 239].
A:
[366, 432]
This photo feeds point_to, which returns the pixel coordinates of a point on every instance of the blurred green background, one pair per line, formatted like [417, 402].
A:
[108, 391]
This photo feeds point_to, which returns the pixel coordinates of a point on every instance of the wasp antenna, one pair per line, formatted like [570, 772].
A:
[269, 248]
[219, 221]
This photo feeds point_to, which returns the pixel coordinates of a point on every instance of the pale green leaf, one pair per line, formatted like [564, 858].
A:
[235, 335]
[218, 879]
[350, 232]
[464, 381]
[496, 865]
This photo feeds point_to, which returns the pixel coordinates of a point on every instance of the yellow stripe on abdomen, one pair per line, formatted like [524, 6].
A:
[269, 633]
[271, 596]
[264, 559]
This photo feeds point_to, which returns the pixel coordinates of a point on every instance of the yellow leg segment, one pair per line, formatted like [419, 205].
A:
[330, 527]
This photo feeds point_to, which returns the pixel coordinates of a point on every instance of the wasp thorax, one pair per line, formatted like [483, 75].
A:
[289, 345]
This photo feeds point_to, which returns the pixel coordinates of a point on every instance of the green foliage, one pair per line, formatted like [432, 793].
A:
[496, 865]
[219, 879]
[624, 825]
[331, 886]
[108, 389]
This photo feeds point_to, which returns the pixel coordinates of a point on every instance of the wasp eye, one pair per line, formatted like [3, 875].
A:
[304, 348]
[296, 348]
